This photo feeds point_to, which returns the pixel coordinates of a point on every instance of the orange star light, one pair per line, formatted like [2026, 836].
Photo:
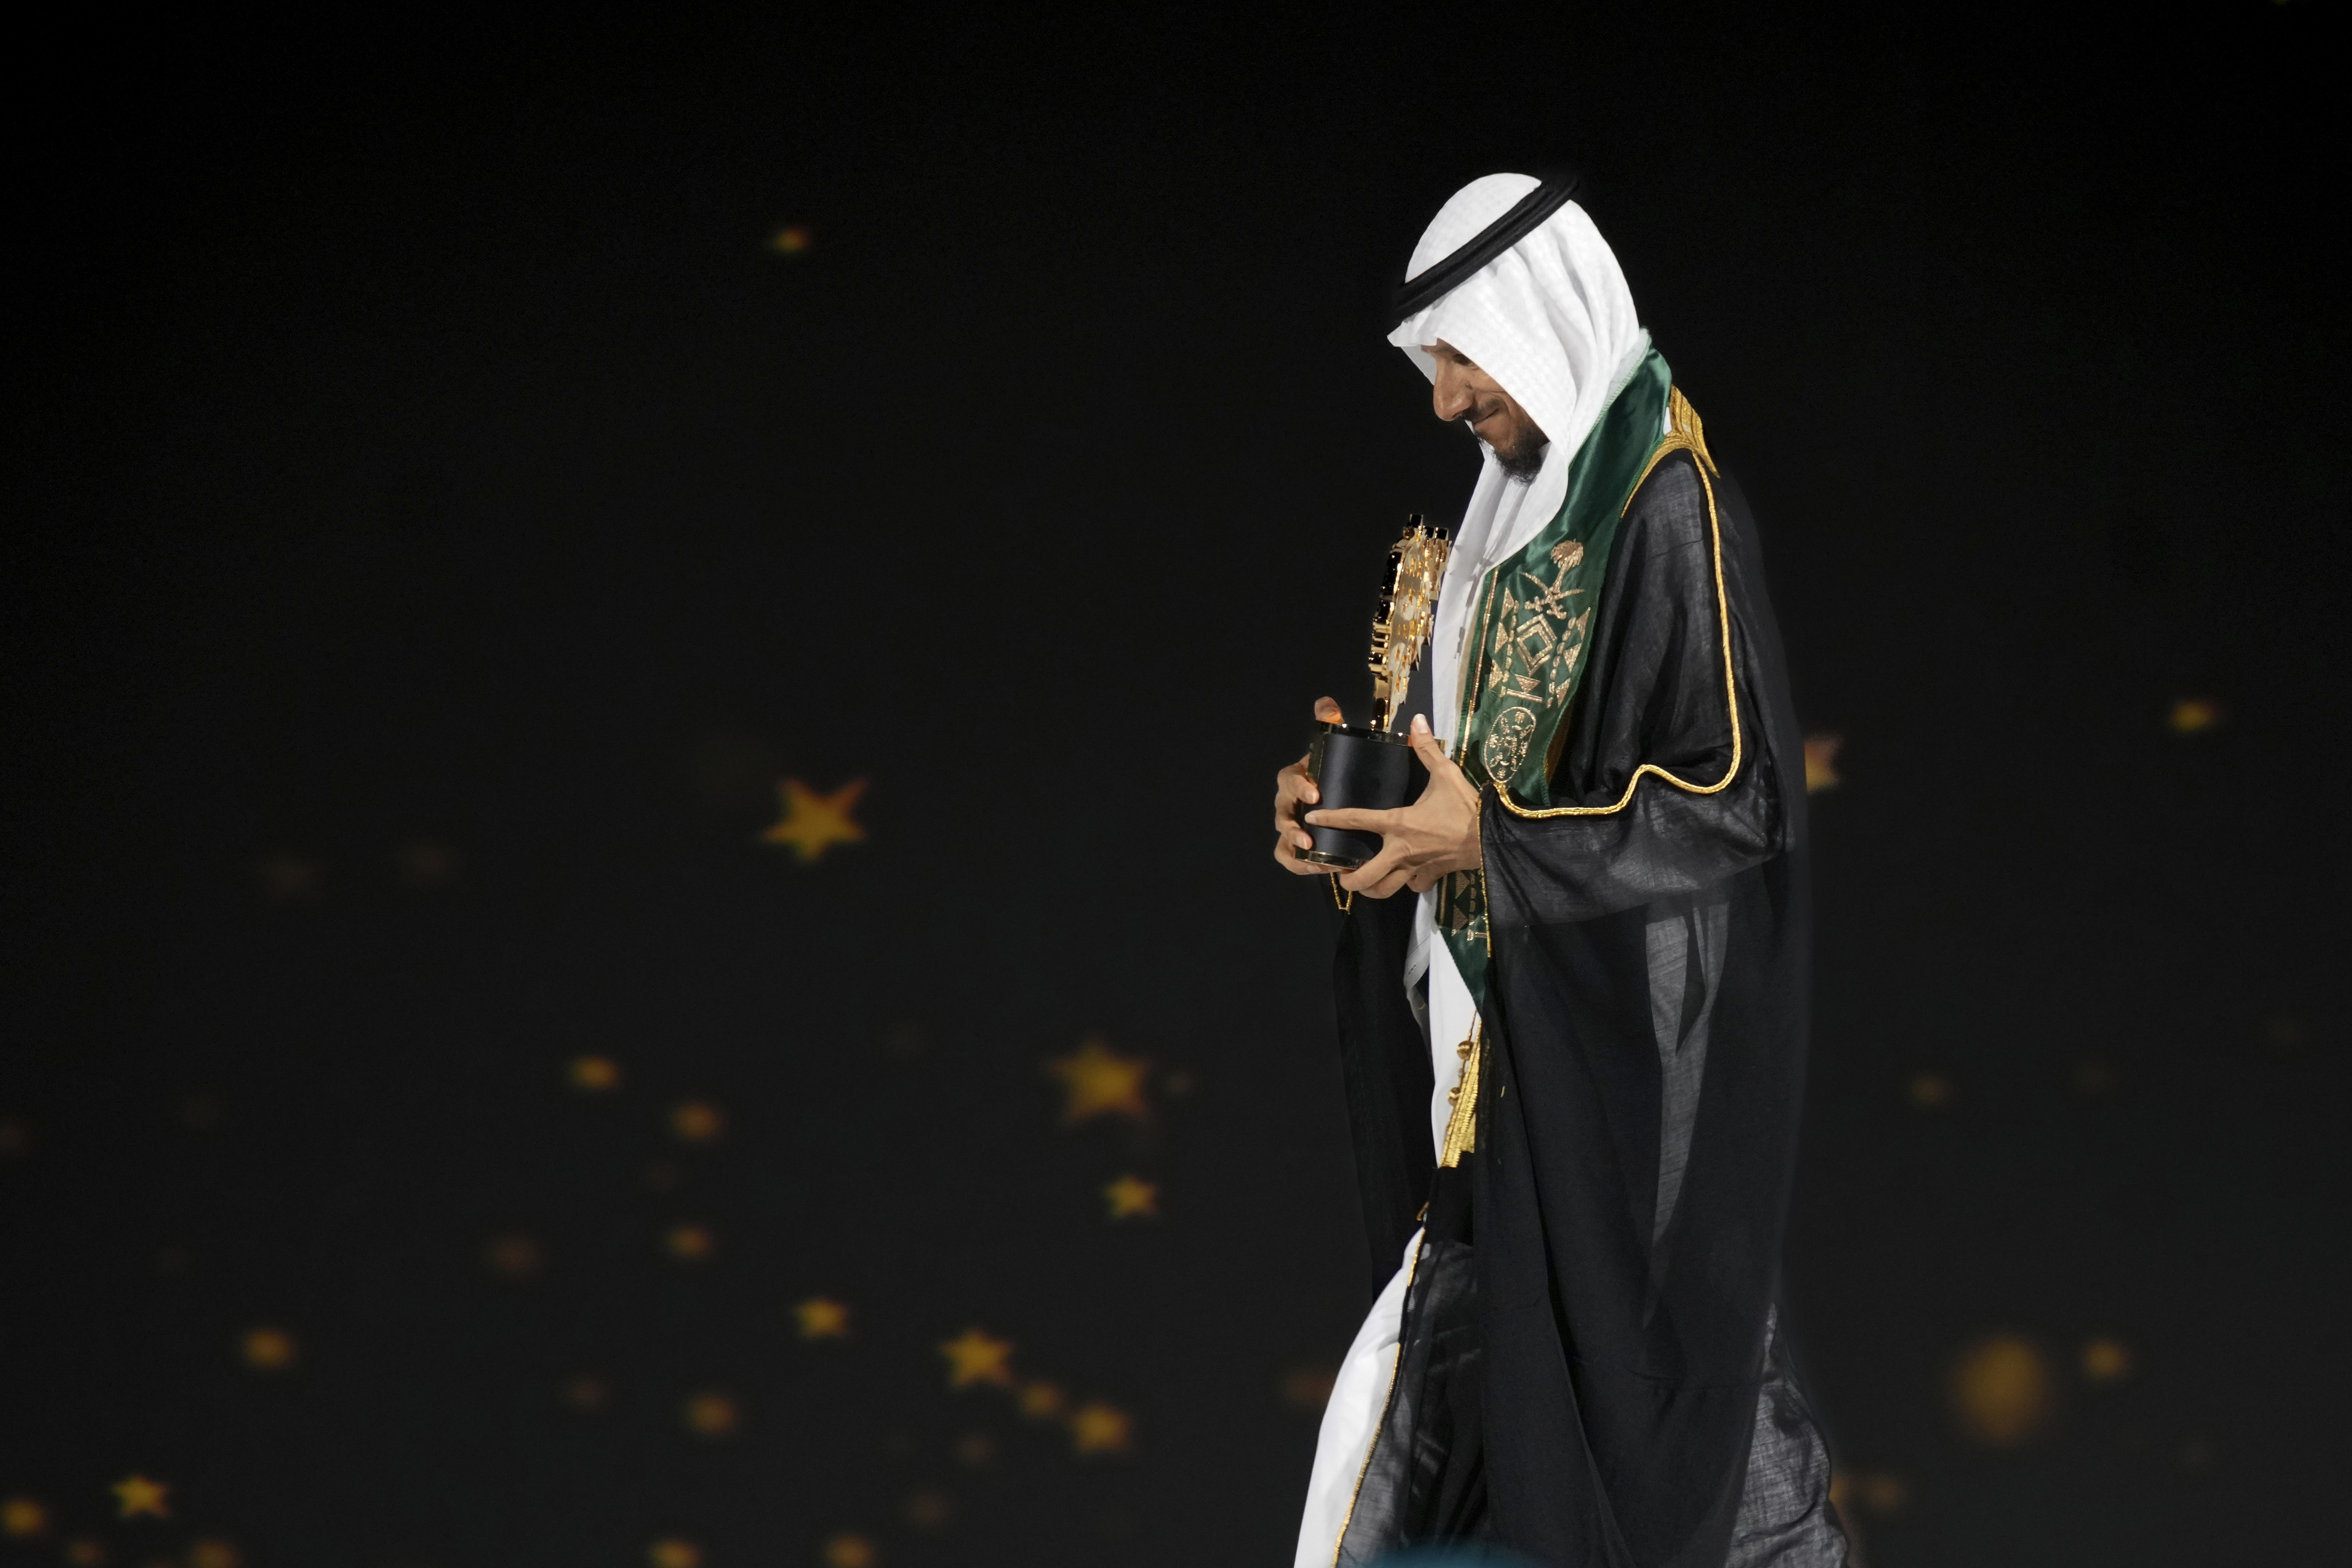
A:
[1133, 1195]
[2192, 715]
[822, 1318]
[24, 1516]
[594, 1075]
[850, 1551]
[974, 1357]
[267, 1349]
[1099, 1429]
[1098, 1081]
[1821, 762]
[711, 1414]
[697, 1121]
[139, 1496]
[813, 823]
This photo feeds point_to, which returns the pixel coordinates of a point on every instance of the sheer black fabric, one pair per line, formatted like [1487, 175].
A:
[1646, 1019]
[1425, 1479]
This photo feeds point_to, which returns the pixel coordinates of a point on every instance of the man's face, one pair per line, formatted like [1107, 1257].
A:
[1465, 392]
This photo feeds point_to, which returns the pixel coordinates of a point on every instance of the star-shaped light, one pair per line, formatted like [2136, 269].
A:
[594, 1075]
[2107, 1360]
[850, 1549]
[268, 1348]
[1133, 1195]
[711, 1414]
[1098, 1081]
[822, 1318]
[2000, 1390]
[24, 1516]
[1099, 1429]
[674, 1554]
[697, 1122]
[139, 1496]
[813, 823]
[974, 1357]
[2193, 715]
[1821, 762]
[1040, 1401]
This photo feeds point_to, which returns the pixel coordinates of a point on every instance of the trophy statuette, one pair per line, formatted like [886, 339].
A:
[1373, 768]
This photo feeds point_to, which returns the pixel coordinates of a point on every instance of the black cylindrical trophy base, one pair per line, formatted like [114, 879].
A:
[1368, 770]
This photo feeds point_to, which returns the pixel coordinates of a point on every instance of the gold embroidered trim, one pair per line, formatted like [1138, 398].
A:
[1411, 1268]
[1461, 1126]
[1345, 904]
[1690, 436]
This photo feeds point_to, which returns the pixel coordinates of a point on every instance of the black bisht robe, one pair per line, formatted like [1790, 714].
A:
[1590, 1372]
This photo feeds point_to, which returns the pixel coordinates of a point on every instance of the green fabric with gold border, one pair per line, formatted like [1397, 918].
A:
[1528, 636]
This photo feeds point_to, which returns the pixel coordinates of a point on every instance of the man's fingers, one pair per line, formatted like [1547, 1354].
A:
[1380, 869]
[1428, 747]
[1352, 819]
[1328, 711]
[1294, 866]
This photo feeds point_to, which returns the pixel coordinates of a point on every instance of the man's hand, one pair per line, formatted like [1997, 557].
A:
[1293, 791]
[1420, 842]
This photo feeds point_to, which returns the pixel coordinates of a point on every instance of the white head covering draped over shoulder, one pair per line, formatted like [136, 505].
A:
[1551, 320]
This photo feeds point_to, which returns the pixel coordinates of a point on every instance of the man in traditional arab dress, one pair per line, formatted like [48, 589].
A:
[1573, 1061]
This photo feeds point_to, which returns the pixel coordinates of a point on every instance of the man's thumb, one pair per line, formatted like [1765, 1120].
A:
[1431, 750]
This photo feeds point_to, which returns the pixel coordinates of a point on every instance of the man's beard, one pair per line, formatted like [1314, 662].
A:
[1523, 459]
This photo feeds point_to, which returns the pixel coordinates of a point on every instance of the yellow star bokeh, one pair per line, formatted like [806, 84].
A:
[139, 1496]
[1821, 762]
[23, 1516]
[1041, 1400]
[813, 823]
[2000, 1390]
[974, 1357]
[2107, 1360]
[1133, 1195]
[711, 1414]
[1099, 1429]
[822, 1318]
[850, 1549]
[674, 1554]
[1098, 1081]
[594, 1075]
[2193, 715]
[267, 1349]
[697, 1121]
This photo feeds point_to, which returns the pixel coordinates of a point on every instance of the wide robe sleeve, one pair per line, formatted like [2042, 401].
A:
[1646, 1012]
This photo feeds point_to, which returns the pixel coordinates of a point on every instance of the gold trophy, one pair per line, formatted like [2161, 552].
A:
[1374, 768]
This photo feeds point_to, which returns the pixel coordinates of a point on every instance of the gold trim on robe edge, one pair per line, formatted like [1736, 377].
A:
[1373, 1443]
[1687, 436]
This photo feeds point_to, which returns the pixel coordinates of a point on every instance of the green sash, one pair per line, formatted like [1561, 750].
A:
[1528, 636]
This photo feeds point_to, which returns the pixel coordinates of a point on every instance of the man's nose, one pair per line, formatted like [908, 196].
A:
[1451, 401]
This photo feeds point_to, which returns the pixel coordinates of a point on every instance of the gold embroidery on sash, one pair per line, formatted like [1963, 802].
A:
[1688, 436]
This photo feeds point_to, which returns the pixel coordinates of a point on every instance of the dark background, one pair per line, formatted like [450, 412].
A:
[443, 518]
